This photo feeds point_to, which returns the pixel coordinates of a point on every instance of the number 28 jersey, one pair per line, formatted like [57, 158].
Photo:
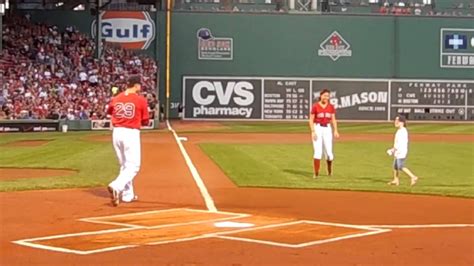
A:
[128, 110]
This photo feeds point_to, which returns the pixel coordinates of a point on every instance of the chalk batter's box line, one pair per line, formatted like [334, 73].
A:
[27, 242]
[305, 244]
[237, 216]
[371, 231]
[99, 220]
[221, 235]
[421, 226]
[129, 227]
[71, 251]
[95, 251]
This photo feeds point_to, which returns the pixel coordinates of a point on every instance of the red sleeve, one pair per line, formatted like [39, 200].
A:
[314, 109]
[145, 114]
[110, 108]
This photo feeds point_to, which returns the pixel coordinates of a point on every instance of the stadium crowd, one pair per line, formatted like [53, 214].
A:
[46, 73]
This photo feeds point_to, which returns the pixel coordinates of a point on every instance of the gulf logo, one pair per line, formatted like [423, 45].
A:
[130, 29]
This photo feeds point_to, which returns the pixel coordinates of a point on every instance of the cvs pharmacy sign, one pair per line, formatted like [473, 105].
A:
[129, 29]
[239, 92]
[222, 98]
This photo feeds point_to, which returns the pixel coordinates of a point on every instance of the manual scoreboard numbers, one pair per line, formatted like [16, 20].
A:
[433, 100]
[286, 99]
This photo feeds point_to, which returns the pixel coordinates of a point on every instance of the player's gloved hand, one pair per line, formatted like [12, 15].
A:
[390, 152]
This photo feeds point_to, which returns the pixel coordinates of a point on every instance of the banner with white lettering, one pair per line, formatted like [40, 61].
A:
[29, 125]
[286, 98]
[360, 100]
[107, 125]
[222, 98]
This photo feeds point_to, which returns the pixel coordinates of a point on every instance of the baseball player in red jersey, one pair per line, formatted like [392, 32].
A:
[323, 114]
[129, 112]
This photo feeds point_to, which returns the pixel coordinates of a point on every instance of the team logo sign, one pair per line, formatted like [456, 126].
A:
[334, 47]
[457, 48]
[455, 41]
[131, 30]
[213, 48]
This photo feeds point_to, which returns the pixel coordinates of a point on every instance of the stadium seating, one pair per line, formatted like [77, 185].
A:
[46, 73]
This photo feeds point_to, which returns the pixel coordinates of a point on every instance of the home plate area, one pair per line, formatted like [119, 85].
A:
[178, 225]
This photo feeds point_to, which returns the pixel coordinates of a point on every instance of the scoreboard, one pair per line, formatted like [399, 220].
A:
[433, 100]
[286, 99]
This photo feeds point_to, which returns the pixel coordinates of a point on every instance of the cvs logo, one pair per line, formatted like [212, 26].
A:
[207, 92]
[131, 30]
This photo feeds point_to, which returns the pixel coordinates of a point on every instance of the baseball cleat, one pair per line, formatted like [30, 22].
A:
[394, 183]
[135, 198]
[315, 175]
[114, 196]
[413, 181]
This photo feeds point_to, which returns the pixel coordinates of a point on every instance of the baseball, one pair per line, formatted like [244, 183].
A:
[390, 152]
[114, 90]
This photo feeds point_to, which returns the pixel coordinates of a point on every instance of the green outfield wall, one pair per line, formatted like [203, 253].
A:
[306, 46]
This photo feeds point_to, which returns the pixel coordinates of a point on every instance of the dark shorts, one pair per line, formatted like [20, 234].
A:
[398, 164]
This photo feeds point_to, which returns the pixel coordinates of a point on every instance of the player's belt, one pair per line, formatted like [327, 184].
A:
[323, 125]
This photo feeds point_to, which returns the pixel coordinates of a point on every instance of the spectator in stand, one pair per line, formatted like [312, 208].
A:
[385, 9]
[52, 74]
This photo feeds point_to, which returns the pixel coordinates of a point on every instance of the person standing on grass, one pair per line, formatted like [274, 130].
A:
[323, 125]
[400, 152]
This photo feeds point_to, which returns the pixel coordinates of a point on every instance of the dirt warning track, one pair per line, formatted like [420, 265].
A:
[189, 234]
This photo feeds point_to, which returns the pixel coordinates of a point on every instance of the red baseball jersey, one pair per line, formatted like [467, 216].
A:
[129, 110]
[322, 115]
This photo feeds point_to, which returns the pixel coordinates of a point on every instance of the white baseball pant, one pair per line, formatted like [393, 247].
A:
[126, 143]
[323, 143]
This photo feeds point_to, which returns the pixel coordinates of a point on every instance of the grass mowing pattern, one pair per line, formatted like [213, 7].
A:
[443, 168]
[95, 161]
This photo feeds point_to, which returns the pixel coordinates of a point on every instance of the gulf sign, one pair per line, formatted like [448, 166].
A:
[129, 29]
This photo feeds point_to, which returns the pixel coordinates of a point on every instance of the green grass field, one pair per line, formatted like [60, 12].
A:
[365, 128]
[443, 168]
[95, 161]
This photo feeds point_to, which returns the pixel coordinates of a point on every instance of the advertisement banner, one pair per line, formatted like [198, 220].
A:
[457, 48]
[107, 125]
[357, 100]
[214, 48]
[130, 30]
[28, 126]
[286, 98]
[222, 98]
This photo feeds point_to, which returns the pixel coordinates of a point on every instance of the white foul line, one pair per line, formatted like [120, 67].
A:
[421, 226]
[197, 178]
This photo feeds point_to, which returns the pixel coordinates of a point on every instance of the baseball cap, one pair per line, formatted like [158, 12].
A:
[134, 79]
[402, 118]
